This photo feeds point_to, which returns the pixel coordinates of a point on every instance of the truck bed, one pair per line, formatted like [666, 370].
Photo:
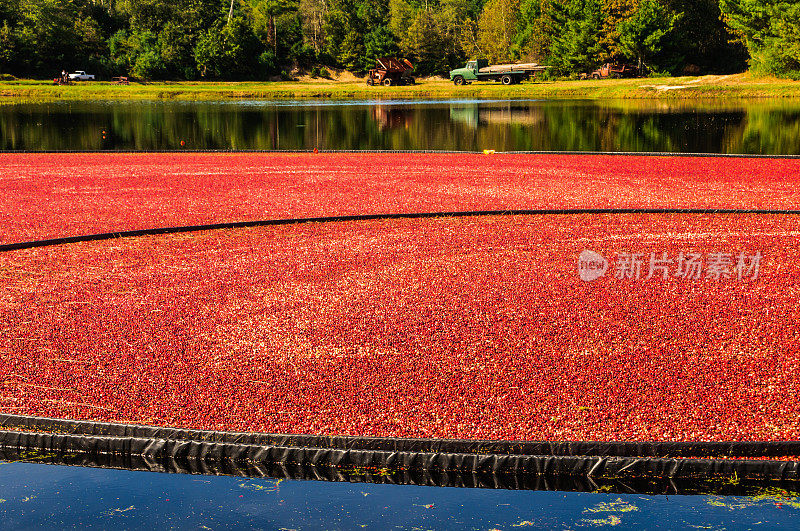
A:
[516, 67]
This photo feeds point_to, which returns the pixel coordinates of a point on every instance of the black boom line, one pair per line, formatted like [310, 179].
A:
[368, 217]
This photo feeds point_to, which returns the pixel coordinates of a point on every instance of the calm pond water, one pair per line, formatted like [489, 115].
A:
[462, 125]
[58, 497]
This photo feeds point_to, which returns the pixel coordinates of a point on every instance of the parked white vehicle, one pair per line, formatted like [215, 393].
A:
[80, 75]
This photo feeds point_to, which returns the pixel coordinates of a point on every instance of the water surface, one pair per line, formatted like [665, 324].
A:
[58, 497]
[461, 125]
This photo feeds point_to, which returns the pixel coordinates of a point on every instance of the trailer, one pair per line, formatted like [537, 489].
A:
[507, 74]
[390, 71]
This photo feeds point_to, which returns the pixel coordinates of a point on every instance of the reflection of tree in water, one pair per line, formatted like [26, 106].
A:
[519, 125]
[597, 128]
[46, 126]
[776, 132]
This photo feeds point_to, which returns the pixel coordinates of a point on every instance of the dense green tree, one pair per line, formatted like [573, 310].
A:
[229, 50]
[7, 47]
[145, 59]
[265, 15]
[576, 43]
[421, 41]
[435, 36]
[340, 20]
[380, 42]
[312, 14]
[498, 27]
[537, 28]
[48, 35]
[643, 32]
[459, 31]
[254, 39]
[701, 42]
[351, 51]
[770, 29]
[424, 44]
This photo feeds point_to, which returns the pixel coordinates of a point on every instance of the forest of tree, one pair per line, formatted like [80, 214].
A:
[256, 39]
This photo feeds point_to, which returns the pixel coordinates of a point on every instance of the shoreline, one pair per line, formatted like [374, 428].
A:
[738, 86]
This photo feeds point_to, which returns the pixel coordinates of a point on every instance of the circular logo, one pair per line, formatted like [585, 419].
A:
[591, 265]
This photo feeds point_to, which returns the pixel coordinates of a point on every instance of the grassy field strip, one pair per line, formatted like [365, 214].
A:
[730, 86]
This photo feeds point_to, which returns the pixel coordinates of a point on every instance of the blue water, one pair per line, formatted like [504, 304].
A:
[58, 497]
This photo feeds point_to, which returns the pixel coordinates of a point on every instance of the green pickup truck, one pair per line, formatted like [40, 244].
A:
[508, 74]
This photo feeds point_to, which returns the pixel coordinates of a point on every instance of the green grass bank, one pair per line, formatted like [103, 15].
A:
[666, 88]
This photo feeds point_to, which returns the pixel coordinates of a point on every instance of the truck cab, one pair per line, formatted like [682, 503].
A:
[459, 76]
[80, 75]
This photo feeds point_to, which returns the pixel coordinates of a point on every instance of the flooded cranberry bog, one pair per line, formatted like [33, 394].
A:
[516, 321]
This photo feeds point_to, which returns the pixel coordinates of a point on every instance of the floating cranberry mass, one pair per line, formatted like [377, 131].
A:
[474, 327]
